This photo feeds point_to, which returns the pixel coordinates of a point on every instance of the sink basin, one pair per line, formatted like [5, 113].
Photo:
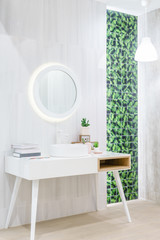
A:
[68, 150]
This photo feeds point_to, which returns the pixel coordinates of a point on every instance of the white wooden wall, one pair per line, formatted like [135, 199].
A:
[149, 115]
[33, 32]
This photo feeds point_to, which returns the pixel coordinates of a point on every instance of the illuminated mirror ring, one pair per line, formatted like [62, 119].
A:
[54, 92]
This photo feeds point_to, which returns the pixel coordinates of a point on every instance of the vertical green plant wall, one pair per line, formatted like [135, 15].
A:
[122, 114]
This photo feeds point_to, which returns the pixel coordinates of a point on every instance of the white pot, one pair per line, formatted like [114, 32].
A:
[96, 149]
[85, 130]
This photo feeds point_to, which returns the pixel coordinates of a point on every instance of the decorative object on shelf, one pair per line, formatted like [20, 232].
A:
[26, 150]
[84, 138]
[146, 52]
[85, 126]
[89, 147]
[92, 145]
[96, 145]
[96, 148]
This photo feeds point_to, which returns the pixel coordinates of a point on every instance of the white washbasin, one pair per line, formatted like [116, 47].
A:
[68, 150]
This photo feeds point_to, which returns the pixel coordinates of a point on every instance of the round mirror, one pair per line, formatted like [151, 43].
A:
[54, 92]
[57, 91]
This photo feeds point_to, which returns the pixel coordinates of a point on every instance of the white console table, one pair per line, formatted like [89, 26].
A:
[36, 169]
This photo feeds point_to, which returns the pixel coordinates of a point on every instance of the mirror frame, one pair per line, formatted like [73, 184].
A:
[34, 98]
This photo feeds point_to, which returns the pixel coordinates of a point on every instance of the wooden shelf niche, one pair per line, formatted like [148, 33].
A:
[114, 163]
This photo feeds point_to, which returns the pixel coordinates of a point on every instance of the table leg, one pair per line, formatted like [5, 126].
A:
[120, 188]
[13, 200]
[35, 186]
[96, 191]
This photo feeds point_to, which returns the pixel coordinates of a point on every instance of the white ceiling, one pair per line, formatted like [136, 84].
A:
[130, 6]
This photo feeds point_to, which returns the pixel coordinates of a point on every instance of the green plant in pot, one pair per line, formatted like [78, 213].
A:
[85, 126]
[96, 146]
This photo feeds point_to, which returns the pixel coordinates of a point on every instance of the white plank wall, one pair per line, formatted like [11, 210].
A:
[149, 115]
[33, 32]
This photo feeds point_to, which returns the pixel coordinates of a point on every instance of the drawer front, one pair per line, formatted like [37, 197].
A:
[61, 168]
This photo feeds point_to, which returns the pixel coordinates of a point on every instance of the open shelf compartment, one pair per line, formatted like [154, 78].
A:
[114, 163]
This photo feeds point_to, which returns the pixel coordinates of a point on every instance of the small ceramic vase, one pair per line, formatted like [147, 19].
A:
[89, 147]
[85, 130]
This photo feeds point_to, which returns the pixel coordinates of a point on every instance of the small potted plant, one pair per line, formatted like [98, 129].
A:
[85, 126]
[96, 147]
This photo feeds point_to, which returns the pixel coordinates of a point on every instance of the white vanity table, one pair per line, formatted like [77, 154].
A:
[37, 169]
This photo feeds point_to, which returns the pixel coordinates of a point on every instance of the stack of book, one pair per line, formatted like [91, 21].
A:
[25, 150]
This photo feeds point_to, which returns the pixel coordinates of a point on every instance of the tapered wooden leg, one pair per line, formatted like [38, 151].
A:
[35, 186]
[13, 200]
[120, 188]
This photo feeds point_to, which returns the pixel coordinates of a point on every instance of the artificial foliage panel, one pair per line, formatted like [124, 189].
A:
[122, 102]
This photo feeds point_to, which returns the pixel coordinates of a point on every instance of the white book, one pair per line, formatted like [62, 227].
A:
[24, 146]
[29, 150]
[21, 155]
